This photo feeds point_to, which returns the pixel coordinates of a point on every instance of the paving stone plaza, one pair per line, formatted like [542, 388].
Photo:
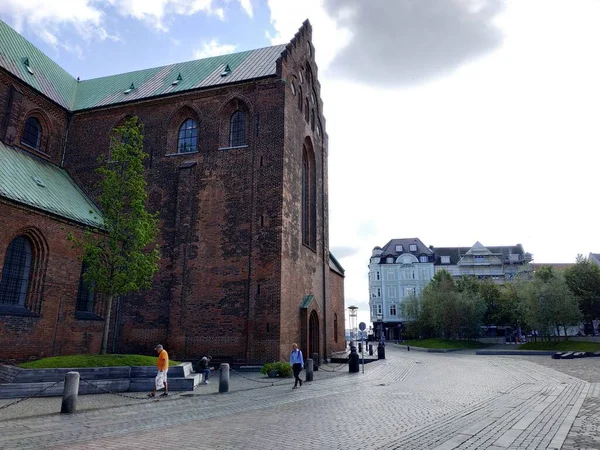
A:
[411, 400]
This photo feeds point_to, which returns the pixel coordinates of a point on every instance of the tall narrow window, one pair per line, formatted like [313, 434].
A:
[335, 328]
[306, 110]
[309, 210]
[188, 136]
[32, 133]
[85, 295]
[16, 272]
[237, 129]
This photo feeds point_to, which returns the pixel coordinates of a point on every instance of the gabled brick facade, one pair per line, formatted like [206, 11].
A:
[234, 266]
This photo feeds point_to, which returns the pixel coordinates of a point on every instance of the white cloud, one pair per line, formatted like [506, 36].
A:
[47, 19]
[156, 13]
[502, 150]
[247, 6]
[213, 48]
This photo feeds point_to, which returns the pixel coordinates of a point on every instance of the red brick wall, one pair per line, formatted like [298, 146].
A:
[18, 102]
[233, 270]
[216, 249]
[54, 330]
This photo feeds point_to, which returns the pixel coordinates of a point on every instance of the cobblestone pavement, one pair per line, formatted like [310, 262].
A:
[411, 400]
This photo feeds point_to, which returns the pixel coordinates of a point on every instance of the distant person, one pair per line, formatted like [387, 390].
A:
[204, 369]
[297, 362]
[161, 376]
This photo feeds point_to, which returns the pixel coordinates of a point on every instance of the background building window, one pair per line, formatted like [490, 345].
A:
[413, 247]
[32, 133]
[85, 296]
[445, 260]
[237, 129]
[392, 310]
[423, 259]
[15, 272]
[399, 247]
[188, 135]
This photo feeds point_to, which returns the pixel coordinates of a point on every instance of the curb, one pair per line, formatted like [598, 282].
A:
[515, 352]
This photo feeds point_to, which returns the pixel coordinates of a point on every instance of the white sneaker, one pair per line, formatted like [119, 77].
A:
[205, 382]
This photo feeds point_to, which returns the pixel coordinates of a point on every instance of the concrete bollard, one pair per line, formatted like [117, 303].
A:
[309, 369]
[70, 391]
[224, 378]
[316, 361]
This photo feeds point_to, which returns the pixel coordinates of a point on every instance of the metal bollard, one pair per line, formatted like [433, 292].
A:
[381, 351]
[408, 348]
[370, 349]
[309, 369]
[316, 361]
[353, 363]
[224, 378]
[360, 347]
[70, 391]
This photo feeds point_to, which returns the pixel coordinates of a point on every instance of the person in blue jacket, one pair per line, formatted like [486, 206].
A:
[297, 363]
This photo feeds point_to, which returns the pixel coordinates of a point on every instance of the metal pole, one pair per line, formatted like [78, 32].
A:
[363, 354]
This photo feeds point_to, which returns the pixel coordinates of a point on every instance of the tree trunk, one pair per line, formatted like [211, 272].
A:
[107, 310]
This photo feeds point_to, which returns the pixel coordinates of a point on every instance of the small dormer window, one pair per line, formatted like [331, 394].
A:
[177, 80]
[389, 260]
[445, 259]
[27, 65]
[413, 247]
[423, 259]
[399, 248]
[131, 88]
[226, 71]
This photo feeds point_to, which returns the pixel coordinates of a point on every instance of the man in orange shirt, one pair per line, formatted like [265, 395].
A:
[163, 367]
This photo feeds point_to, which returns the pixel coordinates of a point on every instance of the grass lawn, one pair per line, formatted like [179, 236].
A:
[445, 344]
[72, 361]
[562, 346]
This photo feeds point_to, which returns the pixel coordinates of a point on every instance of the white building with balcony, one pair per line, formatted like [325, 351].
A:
[402, 268]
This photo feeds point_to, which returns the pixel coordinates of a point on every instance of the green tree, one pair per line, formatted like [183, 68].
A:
[123, 256]
[551, 305]
[584, 280]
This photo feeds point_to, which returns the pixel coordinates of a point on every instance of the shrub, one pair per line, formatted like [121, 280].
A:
[283, 369]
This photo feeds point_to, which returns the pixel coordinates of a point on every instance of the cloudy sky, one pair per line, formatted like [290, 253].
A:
[453, 121]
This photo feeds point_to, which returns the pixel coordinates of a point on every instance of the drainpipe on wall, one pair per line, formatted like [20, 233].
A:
[325, 255]
[64, 152]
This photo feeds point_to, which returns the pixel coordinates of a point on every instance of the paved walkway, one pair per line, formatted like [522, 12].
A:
[411, 400]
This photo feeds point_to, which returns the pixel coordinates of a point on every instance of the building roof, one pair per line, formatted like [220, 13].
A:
[595, 258]
[35, 182]
[502, 252]
[26, 62]
[390, 247]
[335, 265]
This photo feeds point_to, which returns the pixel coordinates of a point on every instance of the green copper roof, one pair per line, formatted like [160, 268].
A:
[35, 182]
[47, 77]
[164, 80]
[21, 58]
[306, 301]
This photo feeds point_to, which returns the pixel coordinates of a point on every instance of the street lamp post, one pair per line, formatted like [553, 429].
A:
[381, 346]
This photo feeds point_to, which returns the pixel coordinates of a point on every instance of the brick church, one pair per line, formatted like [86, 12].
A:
[237, 170]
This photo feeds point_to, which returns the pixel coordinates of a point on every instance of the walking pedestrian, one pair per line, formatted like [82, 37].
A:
[161, 376]
[297, 363]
